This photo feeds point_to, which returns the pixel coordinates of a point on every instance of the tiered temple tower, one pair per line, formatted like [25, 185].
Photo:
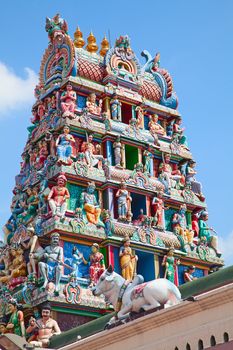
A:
[106, 161]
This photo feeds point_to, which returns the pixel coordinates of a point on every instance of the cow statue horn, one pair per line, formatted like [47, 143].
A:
[110, 269]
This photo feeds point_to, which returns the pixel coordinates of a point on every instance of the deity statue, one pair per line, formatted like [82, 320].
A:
[140, 116]
[128, 261]
[188, 274]
[30, 207]
[91, 153]
[190, 178]
[158, 206]
[64, 146]
[43, 152]
[140, 219]
[57, 197]
[108, 224]
[156, 129]
[179, 224]
[118, 150]
[68, 102]
[171, 178]
[115, 105]
[206, 233]
[124, 202]
[51, 269]
[178, 133]
[16, 265]
[147, 162]
[170, 263]
[97, 265]
[77, 259]
[44, 328]
[90, 205]
[16, 322]
[36, 251]
[92, 106]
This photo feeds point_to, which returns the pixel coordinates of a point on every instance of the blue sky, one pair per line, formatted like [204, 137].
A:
[195, 42]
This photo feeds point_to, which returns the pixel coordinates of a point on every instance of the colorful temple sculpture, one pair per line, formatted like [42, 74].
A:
[106, 178]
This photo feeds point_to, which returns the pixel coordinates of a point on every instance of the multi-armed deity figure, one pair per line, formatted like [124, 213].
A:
[180, 227]
[44, 328]
[51, 268]
[68, 102]
[64, 146]
[90, 205]
[124, 203]
[169, 177]
[128, 260]
[115, 105]
[170, 263]
[58, 196]
[92, 106]
[97, 266]
[91, 153]
[118, 149]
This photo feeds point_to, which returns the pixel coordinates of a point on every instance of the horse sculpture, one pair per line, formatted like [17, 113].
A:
[133, 297]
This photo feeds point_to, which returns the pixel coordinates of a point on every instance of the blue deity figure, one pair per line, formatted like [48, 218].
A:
[77, 259]
[64, 148]
[124, 202]
[115, 108]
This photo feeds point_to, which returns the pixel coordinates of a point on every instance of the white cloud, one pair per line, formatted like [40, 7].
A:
[226, 247]
[15, 92]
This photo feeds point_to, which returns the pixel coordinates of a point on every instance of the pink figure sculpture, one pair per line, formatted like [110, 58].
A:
[68, 102]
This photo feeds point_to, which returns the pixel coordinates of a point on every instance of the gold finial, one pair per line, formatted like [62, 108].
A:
[104, 46]
[91, 46]
[78, 38]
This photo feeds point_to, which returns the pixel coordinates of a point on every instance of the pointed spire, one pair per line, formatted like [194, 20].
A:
[91, 46]
[104, 46]
[78, 38]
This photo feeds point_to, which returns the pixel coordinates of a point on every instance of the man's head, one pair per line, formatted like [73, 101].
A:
[46, 311]
[95, 248]
[61, 180]
[55, 238]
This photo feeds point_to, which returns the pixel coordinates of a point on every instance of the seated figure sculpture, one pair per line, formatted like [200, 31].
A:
[178, 133]
[169, 177]
[91, 153]
[50, 269]
[206, 233]
[97, 265]
[57, 197]
[90, 205]
[68, 102]
[180, 227]
[92, 106]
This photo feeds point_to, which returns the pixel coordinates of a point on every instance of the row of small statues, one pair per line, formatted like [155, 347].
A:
[68, 100]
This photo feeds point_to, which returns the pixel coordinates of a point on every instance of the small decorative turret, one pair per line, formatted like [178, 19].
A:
[91, 46]
[78, 38]
[104, 46]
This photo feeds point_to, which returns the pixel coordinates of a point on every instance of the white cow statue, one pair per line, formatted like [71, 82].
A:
[135, 296]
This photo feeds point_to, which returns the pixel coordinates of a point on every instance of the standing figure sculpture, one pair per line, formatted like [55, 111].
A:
[91, 153]
[16, 322]
[90, 205]
[180, 228]
[51, 268]
[118, 149]
[44, 328]
[115, 105]
[36, 251]
[64, 146]
[77, 259]
[68, 102]
[97, 266]
[170, 263]
[128, 261]
[140, 116]
[124, 202]
[57, 197]
[147, 162]
[92, 106]
[158, 206]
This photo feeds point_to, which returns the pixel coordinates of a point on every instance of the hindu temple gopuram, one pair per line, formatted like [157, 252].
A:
[106, 178]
